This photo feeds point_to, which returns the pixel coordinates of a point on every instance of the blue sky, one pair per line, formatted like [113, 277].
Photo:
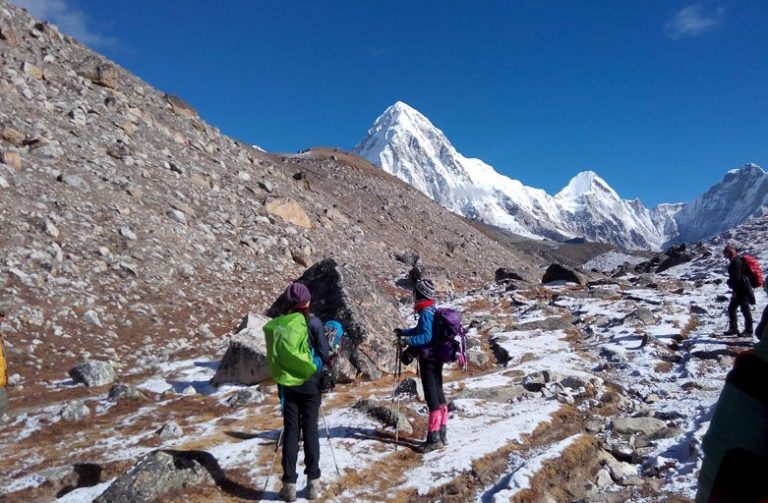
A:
[660, 98]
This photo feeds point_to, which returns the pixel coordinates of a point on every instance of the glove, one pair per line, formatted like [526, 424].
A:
[398, 332]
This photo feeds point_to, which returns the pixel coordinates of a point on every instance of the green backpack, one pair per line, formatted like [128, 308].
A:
[288, 352]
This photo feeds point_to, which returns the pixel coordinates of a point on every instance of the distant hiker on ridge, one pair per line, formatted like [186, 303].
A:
[742, 294]
[297, 349]
[418, 339]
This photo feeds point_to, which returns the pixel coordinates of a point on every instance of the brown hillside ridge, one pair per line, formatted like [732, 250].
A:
[130, 226]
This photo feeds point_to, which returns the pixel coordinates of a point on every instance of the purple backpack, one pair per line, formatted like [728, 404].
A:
[449, 338]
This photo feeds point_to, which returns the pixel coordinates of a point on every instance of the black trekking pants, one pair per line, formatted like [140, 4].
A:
[301, 406]
[432, 381]
[746, 310]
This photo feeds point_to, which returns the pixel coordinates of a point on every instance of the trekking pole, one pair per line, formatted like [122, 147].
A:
[395, 397]
[272, 464]
[330, 444]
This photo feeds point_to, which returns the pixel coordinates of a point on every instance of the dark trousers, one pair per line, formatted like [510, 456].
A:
[746, 310]
[432, 381]
[301, 406]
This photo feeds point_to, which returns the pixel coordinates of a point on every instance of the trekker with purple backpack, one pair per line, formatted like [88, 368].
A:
[419, 339]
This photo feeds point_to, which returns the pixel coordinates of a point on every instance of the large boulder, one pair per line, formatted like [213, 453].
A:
[99, 71]
[245, 361]
[93, 373]
[160, 472]
[290, 211]
[648, 426]
[345, 293]
[556, 272]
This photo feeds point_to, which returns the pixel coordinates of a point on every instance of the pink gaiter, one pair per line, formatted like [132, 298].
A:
[443, 415]
[434, 420]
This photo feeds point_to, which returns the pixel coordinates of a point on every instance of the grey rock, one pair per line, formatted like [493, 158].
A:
[477, 358]
[536, 381]
[267, 186]
[72, 181]
[411, 387]
[594, 426]
[92, 373]
[245, 361]
[120, 391]
[503, 394]
[640, 316]
[574, 382]
[177, 216]
[604, 478]
[385, 413]
[247, 396]
[648, 426]
[160, 472]
[170, 429]
[407, 257]
[128, 234]
[74, 411]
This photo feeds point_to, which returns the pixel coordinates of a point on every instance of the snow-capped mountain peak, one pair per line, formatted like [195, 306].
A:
[586, 182]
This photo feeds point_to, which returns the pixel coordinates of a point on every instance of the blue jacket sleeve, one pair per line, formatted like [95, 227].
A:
[318, 341]
[421, 334]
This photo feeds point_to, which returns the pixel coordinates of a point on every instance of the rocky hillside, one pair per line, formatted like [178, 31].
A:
[127, 219]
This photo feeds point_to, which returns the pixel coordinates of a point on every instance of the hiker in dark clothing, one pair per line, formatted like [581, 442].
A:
[762, 328]
[301, 404]
[736, 444]
[419, 339]
[742, 294]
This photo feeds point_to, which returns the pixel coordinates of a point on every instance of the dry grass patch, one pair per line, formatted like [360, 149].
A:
[563, 478]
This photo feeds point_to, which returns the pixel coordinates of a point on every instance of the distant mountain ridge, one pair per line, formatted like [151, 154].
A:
[406, 144]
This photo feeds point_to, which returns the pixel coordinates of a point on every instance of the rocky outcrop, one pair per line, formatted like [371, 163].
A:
[160, 472]
[347, 294]
[557, 272]
[387, 414]
[245, 361]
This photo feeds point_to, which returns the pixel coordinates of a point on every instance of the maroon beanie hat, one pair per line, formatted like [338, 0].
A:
[297, 294]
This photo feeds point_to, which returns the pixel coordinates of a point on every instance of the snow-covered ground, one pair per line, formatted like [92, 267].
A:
[656, 346]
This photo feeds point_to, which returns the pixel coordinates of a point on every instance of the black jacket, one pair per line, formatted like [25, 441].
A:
[738, 281]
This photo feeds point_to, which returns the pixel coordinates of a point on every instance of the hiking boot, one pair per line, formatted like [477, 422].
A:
[444, 435]
[288, 492]
[313, 489]
[731, 331]
[432, 442]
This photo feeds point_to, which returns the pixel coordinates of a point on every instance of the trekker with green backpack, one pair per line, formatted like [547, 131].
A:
[297, 349]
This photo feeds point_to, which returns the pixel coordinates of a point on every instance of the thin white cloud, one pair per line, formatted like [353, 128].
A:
[693, 21]
[69, 19]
